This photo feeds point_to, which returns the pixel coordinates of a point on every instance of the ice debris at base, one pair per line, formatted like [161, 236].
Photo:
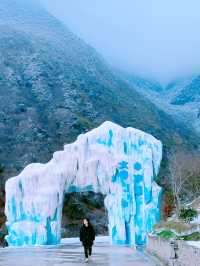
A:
[118, 162]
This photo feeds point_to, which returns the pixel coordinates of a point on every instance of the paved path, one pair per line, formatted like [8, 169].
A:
[72, 254]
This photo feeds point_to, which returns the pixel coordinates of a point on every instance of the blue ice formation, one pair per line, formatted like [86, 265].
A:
[121, 163]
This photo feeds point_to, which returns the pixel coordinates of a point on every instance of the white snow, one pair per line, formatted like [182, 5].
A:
[194, 243]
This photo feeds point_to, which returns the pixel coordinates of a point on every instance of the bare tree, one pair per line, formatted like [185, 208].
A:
[184, 176]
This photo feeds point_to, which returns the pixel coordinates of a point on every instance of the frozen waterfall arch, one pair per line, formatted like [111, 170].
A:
[119, 162]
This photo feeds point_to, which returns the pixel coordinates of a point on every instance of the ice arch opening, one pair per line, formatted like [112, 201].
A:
[118, 162]
[76, 206]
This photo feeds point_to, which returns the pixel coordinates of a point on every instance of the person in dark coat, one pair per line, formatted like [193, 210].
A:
[87, 237]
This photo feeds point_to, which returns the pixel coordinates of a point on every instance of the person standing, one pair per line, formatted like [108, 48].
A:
[87, 237]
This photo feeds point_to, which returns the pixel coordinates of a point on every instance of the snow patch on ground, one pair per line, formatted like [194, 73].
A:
[194, 243]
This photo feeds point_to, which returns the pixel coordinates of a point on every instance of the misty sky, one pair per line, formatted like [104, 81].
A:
[158, 39]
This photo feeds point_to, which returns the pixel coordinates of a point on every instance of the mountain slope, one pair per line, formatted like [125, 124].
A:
[190, 93]
[185, 98]
[180, 98]
[53, 86]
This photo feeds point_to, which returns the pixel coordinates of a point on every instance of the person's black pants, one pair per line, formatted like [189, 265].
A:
[88, 251]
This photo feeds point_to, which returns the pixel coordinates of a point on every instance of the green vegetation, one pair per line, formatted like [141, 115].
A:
[191, 237]
[188, 214]
[177, 230]
[167, 234]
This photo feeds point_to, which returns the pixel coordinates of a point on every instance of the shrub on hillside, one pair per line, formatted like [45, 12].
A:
[188, 214]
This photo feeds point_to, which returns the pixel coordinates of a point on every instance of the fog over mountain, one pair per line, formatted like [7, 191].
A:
[155, 39]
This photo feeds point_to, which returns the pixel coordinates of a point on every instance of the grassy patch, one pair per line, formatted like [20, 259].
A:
[166, 234]
[192, 237]
[177, 226]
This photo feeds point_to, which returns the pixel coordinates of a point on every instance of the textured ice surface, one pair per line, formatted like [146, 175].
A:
[118, 162]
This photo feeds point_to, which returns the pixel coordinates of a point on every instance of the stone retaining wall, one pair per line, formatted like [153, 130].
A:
[186, 255]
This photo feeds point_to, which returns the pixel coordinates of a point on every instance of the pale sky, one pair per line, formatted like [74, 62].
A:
[159, 39]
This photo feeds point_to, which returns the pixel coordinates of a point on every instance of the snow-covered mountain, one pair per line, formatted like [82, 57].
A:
[180, 98]
[53, 86]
